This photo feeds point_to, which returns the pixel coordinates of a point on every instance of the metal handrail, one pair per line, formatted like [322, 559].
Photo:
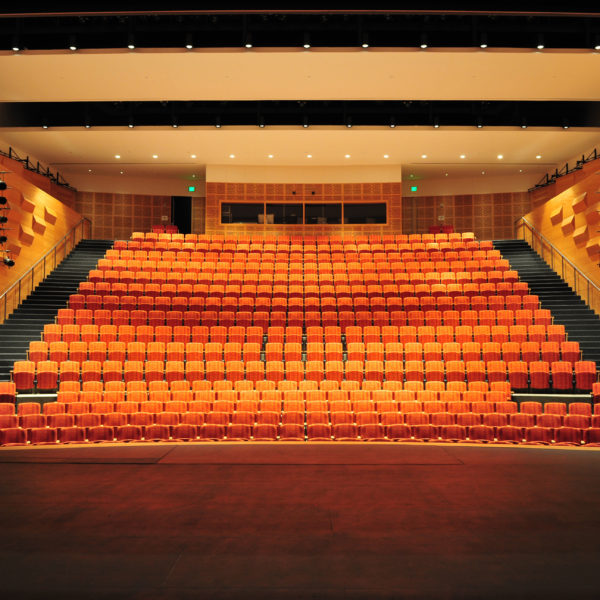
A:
[31, 269]
[564, 258]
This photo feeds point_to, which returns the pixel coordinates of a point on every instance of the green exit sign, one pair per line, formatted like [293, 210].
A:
[413, 188]
[191, 188]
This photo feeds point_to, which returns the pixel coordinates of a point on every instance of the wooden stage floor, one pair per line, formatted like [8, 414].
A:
[298, 521]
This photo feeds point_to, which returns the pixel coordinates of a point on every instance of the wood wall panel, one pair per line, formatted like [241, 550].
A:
[576, 235]
[116, 216]
[218, 192]
[37, 221]
[198, 214]
[489, 216]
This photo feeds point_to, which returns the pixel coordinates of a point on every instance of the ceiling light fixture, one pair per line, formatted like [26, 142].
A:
[72, 44]
[232, 156]
[479, 122]
[155, 156]
[306, 44]
[500, 156]
[365, 40]
[423, 155]
[346, 156]
[436, 123]
[309, 156]
[386, 156]
[463, 156]
[483, 41]
[189, 41]
[248, 41]
[130, 42]
[192, 156]
[305, 122]
[392, 122]
[270, 156]
[117, 156]
[423, 41]
[538, 156]
[218, 122]
[348, 122]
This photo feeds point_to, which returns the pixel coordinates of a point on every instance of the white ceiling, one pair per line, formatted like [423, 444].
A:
[298, 74]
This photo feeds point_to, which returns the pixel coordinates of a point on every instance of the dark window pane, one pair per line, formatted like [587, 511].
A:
[290, 214]
[365, 213]
[319, 214]
[233, 212]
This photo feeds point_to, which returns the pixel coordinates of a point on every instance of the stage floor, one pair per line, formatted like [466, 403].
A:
[307, 520]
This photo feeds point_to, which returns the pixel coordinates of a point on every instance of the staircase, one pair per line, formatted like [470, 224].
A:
[41, 306]
[581, 323]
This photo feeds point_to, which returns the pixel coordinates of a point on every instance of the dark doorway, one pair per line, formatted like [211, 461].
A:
[181, 213]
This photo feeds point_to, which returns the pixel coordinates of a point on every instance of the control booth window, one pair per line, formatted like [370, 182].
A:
[323, 214]
[236, 212]
[365, 213]
[284, 214]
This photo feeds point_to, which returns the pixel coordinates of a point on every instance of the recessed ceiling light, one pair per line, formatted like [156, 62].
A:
[130, 125]
[386, 156]
[192, 156]
[520, 170]
[346, 156]
[155, 156]
[446, 174]
[117, 156]
[270, 156]
[538, 156]
[122, 172]
[189, 46]
[232, 156]
[423, 155]
[131, 46]
[309, 156]
[365, 45]
[89, 170]
[248, 45]
[500, 156]
[463, 156]
[15, 48]
[73, 48]
[483, 172]
[596, 47]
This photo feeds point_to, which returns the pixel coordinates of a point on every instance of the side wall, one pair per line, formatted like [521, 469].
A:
[571, 222]
[37, 221]
[489, 216]
[116, 216]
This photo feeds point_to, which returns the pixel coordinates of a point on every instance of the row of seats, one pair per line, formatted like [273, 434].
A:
[561, 436]
[405, 262]
[322, 255]
[165, 311]
[539, 375]
[300, 269]
[254, 334]
[146, 417]
[306, 239]
[358, 300]
[192, 331]
[430, 351]
[189, 286]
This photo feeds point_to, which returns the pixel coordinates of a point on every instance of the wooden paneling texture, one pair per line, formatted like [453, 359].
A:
[217, 192]
[571, 223]
[198, 214]
[36, 223]
[116, 216]
[489, 216]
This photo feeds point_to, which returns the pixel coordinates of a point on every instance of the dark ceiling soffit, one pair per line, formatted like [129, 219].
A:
[302, 113]
[326, 29]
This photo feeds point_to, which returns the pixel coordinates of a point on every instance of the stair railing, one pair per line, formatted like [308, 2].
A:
[559, 263]
[20, 289]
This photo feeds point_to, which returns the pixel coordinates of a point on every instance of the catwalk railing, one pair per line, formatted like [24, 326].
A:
[577, 279]
[19, 290]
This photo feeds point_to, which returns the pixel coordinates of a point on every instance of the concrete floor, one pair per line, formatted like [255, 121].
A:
[323, 521]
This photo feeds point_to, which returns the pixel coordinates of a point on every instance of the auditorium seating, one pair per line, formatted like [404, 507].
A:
[300, 338]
